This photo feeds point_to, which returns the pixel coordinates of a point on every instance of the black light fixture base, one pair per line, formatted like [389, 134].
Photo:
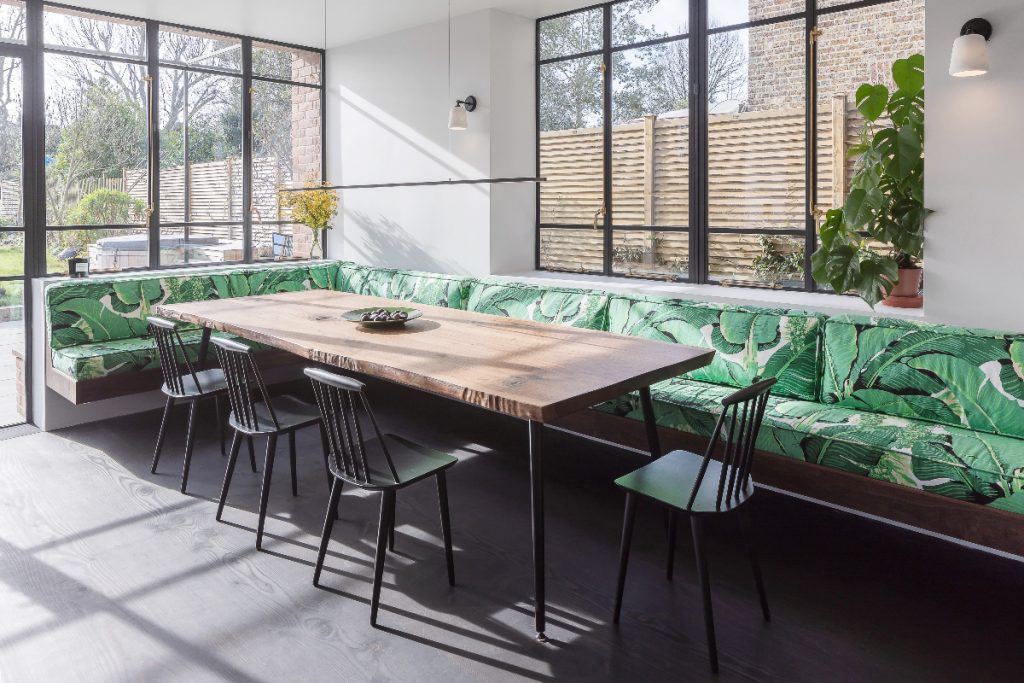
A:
[982, 27]
[469, 103]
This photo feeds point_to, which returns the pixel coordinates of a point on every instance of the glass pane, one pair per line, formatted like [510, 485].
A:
[203, 113]
[642, 253]
[181, 244]
[638, 20]
[572, 34]
[11, 157]
[896, 31]
[731, 12]
[650, 160]
[282, 242]
[192, 47]
[577, 251]
[12, 21]
[12, 254]
[107, 250]
[571, 142]
[769, 260]
[96, 142]
[12, 353]
[757, 128]
[286, 63]
[73, 29]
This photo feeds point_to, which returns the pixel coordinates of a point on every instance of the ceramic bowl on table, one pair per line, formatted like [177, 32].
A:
[382, 316]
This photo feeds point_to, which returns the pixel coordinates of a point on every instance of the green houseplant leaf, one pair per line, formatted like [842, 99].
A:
[908, 74]
[872, 100]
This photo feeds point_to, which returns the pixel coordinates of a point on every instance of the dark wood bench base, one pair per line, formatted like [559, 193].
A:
[989, 527]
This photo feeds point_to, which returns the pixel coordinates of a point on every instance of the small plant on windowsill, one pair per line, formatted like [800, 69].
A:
[886, 200]
[773, 265]
[315, 207]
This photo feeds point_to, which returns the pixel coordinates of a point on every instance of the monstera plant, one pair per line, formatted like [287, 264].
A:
[887, 193]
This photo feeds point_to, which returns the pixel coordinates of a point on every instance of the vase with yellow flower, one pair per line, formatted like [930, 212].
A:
[314, 206]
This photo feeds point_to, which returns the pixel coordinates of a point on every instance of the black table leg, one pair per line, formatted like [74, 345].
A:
[537, 515]
[204, 347]
[653, 440]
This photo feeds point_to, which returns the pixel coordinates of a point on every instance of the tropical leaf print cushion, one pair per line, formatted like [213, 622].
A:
[747, 344]
[430, 288]
[949, 461]
[365, 280]
[946, 375]
[574, 307]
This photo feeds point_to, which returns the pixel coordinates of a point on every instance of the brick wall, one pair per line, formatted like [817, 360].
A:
[856, 46]
[306, 126]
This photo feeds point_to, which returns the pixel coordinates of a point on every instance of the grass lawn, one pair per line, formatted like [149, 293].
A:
[12, 260]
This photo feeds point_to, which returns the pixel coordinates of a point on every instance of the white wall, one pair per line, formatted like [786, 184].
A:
[974, 153]
[296, 21]
[388, 102]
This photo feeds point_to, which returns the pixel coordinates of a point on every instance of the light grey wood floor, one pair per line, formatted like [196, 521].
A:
[107, 573]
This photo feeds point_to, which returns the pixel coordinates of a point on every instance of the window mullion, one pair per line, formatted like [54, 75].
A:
[153, 71]
[698, 150]
[247, 92]
[608, 112]
[811, 105]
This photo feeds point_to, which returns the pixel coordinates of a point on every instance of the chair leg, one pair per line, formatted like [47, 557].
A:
[325, 539]
[220, 423]
[190, 437]
[323, 446]
[671, 544]
[163, 432]
[755, 565]
[705, 586]
[386, 506]
[391, 528]
[236, 444]
[446, 525]
[268, 472]
[252, 455]
[291, 461]
[627, 540]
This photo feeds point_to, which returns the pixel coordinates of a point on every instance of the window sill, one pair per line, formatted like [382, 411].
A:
[829, 304]
[197, 269]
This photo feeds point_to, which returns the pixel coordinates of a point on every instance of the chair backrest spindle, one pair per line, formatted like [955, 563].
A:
[244, 378]
[170, 348]
[740, 429]
[343, 408]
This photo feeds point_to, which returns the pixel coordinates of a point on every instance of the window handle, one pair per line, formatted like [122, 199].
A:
[598, 215]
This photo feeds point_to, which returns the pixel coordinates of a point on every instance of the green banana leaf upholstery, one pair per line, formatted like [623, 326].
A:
[575, 307]
[950, 461]
[103, 359]
[111, 308]
[748, 343]
[430, 289]
[945, 375]
[365, 280]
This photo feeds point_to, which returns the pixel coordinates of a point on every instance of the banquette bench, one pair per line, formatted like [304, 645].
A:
[915, 422]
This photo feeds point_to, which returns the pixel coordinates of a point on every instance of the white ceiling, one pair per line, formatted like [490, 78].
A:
[352, 20]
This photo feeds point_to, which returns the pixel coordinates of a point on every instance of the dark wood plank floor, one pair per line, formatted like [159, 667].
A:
[107, 573]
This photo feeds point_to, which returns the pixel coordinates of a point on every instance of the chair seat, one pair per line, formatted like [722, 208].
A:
[209, 382]
[292, 413]
[412, 461]
[670, 480]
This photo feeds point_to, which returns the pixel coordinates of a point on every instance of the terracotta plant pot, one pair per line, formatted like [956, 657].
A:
[907, 292]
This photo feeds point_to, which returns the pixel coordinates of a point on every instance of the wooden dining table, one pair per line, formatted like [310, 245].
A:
[533, 371]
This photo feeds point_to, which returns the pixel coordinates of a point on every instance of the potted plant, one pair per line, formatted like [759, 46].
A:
[886, 199]
[315, 207]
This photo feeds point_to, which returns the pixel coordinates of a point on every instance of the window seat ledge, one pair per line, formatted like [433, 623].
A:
[829, 304]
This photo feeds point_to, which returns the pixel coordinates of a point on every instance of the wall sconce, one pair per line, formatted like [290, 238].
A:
[457, 119]
[970, 50]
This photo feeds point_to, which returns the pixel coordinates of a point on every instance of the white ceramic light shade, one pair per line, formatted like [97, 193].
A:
[970, 56]
[457, 119]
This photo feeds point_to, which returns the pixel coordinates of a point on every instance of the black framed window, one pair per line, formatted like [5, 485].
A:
[700, 140]
[153, 140]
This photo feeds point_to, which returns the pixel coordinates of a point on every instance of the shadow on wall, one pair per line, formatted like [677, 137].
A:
[386, 243]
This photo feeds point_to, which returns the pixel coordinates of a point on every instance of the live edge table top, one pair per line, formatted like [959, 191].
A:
[531, 370]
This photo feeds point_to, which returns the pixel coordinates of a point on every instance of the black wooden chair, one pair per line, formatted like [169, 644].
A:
[699, 487]
[384, 462]
[252, 417]
[183, 383]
